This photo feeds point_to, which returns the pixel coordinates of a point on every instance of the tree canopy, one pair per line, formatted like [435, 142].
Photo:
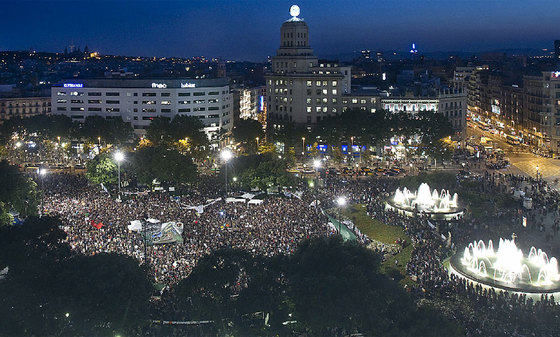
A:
[51, 291]
[262, 171]
[102, 169]
[167, 166]
[326, 288]
[371, 128]
[50, 127]
[246, 131]
[17, 192]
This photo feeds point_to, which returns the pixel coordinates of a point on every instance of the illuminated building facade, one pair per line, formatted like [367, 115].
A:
[452, 104]
[22, 107]
[138, 101]
[300, 88]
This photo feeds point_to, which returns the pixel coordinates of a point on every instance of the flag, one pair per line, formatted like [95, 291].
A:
[97, 225]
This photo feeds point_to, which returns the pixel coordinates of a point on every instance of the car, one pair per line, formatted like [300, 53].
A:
[391, 173]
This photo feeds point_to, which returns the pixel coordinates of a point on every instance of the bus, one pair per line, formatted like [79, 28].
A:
[513, 140]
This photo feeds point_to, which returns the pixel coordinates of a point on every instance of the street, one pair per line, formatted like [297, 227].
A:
[521, 159]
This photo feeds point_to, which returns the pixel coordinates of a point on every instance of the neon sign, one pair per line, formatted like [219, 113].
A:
[556, 74]
[73, 85]
[188, 85]
[159, 85]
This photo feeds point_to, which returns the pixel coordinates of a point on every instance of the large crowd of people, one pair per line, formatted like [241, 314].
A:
[272, 227]
[279, 223]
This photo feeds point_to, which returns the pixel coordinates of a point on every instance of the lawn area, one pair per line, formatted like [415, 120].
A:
[379, 231]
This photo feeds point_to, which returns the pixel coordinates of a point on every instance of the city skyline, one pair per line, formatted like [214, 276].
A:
[247, 30]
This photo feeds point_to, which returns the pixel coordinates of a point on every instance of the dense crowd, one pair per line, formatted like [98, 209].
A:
[273, 227]
[481, 311]
[278, 224]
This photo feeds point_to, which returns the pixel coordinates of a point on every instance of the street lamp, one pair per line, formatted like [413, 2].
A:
[42, 172]
[341, 202]
[302, 147]
[537, 172]
[119, 156]
[352, 148]
[316, 166]
[226, 156]
[99, 142]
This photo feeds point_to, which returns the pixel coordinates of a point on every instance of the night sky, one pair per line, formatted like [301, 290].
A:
[249, 29]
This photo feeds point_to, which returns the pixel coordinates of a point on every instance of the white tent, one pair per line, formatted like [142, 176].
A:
[135, 225]
[228, 200]
[255, 201]
[248, 196]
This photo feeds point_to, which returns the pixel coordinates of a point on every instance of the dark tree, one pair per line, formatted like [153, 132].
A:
[17, 192]
[246, 131]
[49, 291]
[261, 171]
[167, 166]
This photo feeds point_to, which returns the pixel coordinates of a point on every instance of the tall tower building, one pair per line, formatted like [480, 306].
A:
[557, 49]
[301, 88]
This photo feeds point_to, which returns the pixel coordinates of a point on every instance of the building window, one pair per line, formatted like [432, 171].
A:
[61, 108]
[94, 109]
[184, 102]
[199, 93]
[61, 101]
[94, 101]
[112, 109]
[165, 94]
[149, 102]
[309, 83]
[112, 102]
[146, 94]
[185, 110]
[183, 94]
[112, 94]
[94, 94]
[76, 109]
[165, 103]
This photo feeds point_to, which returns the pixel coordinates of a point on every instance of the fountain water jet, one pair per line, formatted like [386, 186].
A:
[442, 204]
[507, 268]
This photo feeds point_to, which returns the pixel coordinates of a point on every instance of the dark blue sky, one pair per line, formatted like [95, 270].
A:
[249, 29]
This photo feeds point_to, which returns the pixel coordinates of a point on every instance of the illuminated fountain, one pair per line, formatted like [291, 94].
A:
[442, 204]
[507, 268]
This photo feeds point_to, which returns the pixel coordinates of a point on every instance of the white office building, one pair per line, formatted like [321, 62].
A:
[138, 101]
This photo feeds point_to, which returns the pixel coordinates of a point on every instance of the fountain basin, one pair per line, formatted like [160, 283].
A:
[437, 205]
[507, 268]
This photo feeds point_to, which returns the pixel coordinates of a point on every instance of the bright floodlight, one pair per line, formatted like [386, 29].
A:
[119, 156]
[341, 201]
[316, 163]
[42, 171]
[294, 10]
[226, 154]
